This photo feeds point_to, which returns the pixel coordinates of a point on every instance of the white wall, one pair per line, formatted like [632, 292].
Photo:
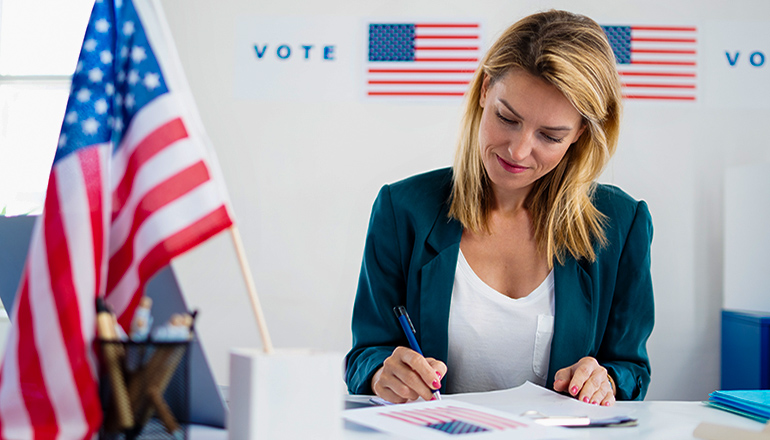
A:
[747, 207]
[302, 174]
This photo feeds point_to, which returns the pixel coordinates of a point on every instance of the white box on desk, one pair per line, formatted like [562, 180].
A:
[289, 394]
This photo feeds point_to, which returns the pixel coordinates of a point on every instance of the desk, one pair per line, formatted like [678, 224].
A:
[658, 420]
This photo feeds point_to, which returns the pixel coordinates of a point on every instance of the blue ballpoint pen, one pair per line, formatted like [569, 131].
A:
[409, 331]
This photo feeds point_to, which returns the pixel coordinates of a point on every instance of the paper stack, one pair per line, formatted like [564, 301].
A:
[754, 404]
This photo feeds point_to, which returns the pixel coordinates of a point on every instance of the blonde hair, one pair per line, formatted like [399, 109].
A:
[571, 52]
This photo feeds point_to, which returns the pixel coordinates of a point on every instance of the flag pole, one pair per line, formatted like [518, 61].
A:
[174, 68]
[267, 344]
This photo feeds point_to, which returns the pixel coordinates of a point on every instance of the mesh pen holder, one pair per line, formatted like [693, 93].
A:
[144, 390]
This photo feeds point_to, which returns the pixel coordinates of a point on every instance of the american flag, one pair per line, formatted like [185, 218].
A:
[422, 59]
[656, 62]
[129, 190]
[450, 417]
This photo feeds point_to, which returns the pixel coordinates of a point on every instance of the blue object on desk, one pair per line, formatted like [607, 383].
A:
[754, 404]
[745, 350]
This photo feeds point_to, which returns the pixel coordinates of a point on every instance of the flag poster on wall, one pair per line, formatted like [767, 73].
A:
[656, 63]
[421, 59]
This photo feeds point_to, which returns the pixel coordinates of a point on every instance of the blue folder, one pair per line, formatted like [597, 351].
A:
[754, 404]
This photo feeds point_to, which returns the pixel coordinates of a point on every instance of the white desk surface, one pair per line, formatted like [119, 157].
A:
[658, 420]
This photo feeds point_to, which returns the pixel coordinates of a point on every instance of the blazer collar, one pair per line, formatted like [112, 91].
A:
[446, 231]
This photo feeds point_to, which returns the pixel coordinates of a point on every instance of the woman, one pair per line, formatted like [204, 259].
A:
[514, 264]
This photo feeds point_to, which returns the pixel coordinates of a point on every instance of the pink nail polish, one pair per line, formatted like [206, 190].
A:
[574, 390]
[436, 384]
[585, 399]
[593, 402]
[438, 374]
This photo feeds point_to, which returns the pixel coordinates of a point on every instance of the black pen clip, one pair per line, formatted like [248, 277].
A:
[401, 311]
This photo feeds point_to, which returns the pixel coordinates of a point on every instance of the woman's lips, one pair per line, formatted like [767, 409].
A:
[511, 168]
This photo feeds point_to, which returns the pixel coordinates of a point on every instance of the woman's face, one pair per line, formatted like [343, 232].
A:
[526, 127]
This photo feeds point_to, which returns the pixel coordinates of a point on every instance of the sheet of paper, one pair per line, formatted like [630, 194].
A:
[531, 397]
[443, 419]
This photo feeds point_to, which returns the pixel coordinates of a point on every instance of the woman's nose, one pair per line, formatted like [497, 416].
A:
[521, 146]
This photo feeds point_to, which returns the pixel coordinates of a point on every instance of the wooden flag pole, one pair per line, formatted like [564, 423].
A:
[267, 344]
[173, 67]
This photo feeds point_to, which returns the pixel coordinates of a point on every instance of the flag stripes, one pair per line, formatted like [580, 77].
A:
[151, 145]
[656, 62]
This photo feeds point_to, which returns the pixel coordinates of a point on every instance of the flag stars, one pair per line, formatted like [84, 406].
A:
[90, 45]
[71, 117]
[119, 100]
[124, 52]
[121, 76]
[106, 57]
[95, 75]
[128, 27]
[109, 89]
[90, 126]
[133, 77]
[83, 95]
[62, 140]
[130, 101]
[79, 67]
[118, 125]
[152, 81]
[101, 106]
[138, 54]
[102, 25]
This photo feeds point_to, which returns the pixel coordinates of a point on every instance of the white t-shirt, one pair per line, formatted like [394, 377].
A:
[497, 342]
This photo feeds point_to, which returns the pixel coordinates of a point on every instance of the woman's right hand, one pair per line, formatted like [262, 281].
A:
[406, 376]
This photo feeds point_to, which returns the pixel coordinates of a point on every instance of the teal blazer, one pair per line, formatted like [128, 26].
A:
[603, 309]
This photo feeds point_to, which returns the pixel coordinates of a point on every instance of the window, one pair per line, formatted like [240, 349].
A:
[39, 45]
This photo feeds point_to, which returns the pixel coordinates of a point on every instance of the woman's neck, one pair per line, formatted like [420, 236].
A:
[510, 203]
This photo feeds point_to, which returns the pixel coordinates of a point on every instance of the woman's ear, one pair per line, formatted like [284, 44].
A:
[579, 133]
[484, 90]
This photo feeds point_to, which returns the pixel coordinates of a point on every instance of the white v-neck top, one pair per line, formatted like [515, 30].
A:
[497, 342]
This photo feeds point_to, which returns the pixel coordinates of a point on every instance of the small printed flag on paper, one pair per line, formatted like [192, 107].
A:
[422, 59]
[658, 63]
[454, 419]
[132, 186]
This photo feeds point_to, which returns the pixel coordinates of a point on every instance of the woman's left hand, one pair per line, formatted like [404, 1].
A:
[587, 381]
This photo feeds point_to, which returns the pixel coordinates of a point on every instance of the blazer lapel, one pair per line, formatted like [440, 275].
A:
[573, 333]
[436, 281]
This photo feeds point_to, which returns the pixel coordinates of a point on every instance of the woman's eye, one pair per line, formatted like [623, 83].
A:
[552, 139]
[504, 119]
